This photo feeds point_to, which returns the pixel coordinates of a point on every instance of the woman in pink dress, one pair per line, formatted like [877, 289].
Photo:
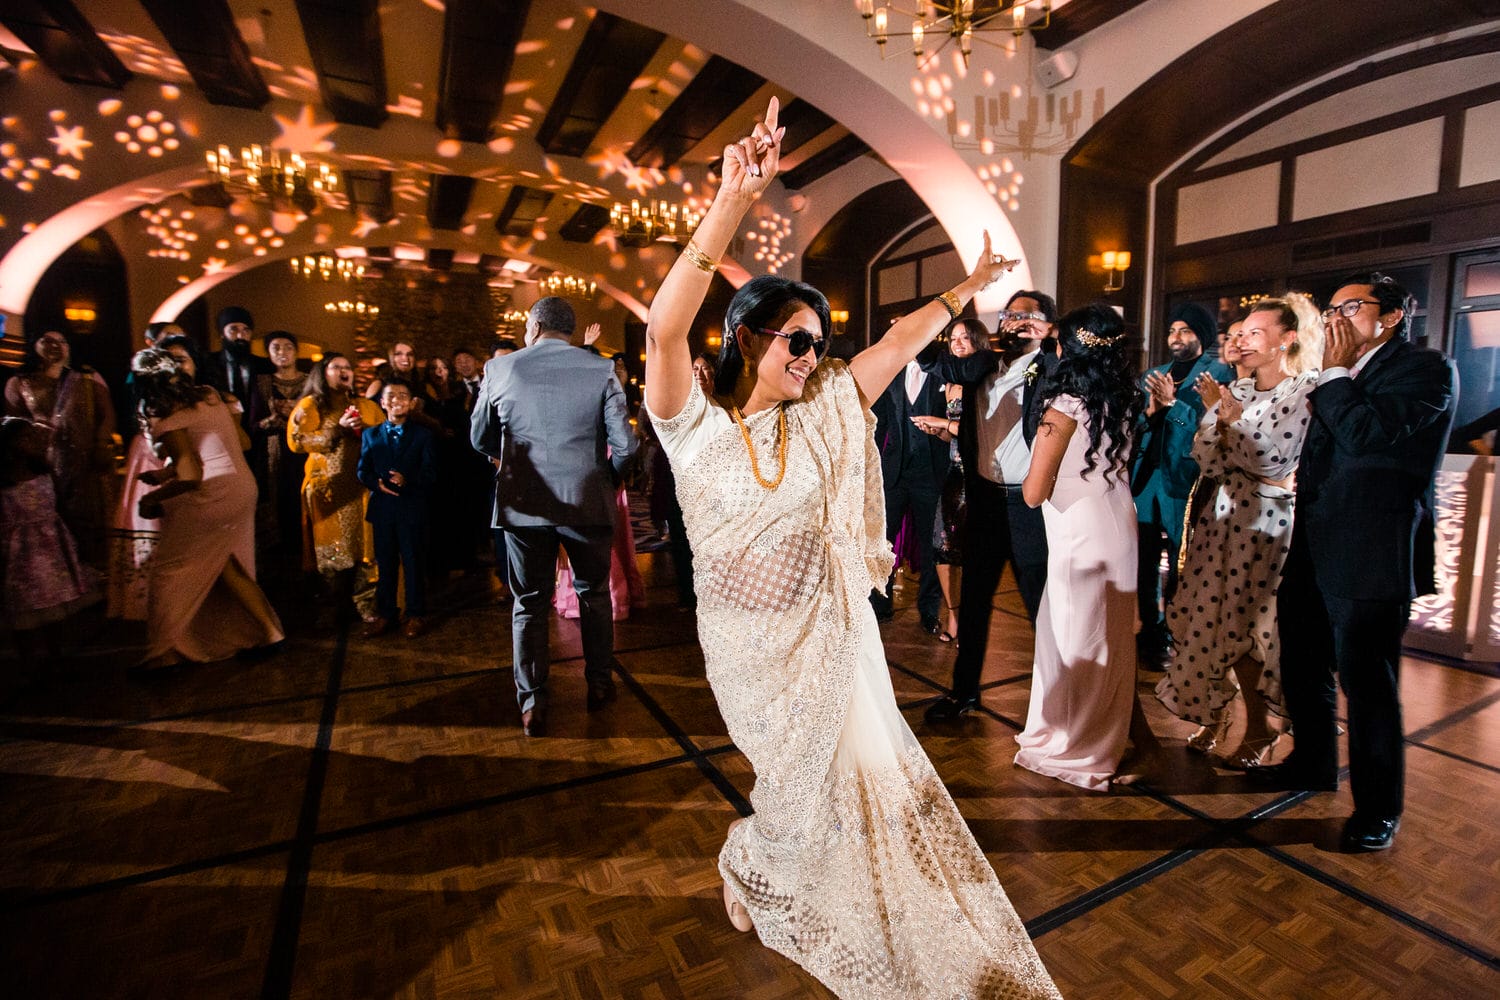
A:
[203, 602]
[1083, 681]
[627, 588]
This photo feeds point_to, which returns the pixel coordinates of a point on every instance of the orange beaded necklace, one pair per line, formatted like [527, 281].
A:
[780, 447]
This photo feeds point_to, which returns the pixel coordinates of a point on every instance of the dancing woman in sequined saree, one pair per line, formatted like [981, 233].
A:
[855, 864]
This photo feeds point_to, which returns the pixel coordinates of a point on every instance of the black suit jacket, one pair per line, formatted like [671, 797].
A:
[415, 458]
[905, 449]
[970, 373]
[1365, 480]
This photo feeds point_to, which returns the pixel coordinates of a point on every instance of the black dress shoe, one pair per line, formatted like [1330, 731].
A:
[950, 709]
[1363, 834]
[600, 695]
[534, 722]
[931, 626]
[1290, 777]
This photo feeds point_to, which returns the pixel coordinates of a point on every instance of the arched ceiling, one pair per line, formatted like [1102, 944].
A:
[483, 130]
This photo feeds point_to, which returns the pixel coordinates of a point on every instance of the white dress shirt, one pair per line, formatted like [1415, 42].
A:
[1003, 456]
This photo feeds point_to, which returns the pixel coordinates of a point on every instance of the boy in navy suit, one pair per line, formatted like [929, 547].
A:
[398, 464]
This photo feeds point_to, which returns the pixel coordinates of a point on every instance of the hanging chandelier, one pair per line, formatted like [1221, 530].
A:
[566, 284]
[638, 225]
[327, 268]
[352, 308]
[934, 24]
[273, 176]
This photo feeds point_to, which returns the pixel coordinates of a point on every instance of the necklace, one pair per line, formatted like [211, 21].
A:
[780, 447]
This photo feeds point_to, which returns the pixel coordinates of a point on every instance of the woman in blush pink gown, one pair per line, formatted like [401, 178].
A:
[627, 589]
[203, 601]
[1083, 680]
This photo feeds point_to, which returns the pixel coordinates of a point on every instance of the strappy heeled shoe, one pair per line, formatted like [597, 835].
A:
[1252, 753]
[1208, 737]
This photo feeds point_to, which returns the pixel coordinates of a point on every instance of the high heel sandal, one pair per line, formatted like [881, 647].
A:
[1252, 753]
[1208, 737]
[739, 917]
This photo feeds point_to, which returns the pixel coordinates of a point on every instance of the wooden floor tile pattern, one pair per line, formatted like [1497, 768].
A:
[362, 819]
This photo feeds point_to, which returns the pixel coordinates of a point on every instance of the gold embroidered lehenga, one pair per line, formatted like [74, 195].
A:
[336, 534]
[856, 863]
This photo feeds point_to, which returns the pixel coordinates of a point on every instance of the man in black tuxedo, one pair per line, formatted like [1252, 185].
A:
[914, 465]
[995, 431]
[1361, 550]
[233, 368]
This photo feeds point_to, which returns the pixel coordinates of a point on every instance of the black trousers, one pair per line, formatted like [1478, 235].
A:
[531, 554]
[1151, 541]
[400, 547]
[999, 528]
[1360, 640]
[920, 495]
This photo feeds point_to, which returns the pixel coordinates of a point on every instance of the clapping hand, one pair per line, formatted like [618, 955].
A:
[750, 163]
[1163, 390]
[1210, 390]
[1230, 409]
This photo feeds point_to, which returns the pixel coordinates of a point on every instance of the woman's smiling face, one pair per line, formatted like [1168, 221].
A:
[779, 376]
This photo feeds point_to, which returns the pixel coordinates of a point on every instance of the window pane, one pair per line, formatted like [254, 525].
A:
[1476, 349]
[1482, 279]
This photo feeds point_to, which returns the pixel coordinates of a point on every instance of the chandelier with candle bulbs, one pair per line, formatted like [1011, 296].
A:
[566, 284]
[350, 307]
[327, 268]
[934, 24]
[272, 175]
[639, 225]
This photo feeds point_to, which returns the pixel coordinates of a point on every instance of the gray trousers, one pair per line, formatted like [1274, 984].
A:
[531, 557]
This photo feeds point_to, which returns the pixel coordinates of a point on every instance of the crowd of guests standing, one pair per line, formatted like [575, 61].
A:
[1250, 526]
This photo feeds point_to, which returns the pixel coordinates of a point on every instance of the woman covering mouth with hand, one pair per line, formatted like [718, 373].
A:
[855, 863]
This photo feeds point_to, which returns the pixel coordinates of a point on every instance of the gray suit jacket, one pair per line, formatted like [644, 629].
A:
[547, 413]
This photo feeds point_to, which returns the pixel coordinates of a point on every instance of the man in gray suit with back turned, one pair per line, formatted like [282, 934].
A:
[547, 414]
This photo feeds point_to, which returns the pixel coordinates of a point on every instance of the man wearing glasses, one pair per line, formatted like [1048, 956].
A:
[1361, 550]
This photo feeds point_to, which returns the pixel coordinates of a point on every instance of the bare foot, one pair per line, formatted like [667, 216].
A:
[739, 917]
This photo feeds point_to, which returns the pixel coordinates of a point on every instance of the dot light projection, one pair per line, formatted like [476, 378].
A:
[767, 237]
[152, 133]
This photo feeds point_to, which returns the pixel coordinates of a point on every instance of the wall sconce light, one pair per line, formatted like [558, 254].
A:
[839, 318]
[1116, 263]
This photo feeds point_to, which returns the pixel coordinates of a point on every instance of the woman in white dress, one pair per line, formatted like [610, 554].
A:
[1083, 677]
[1223, 616]
[855, 864]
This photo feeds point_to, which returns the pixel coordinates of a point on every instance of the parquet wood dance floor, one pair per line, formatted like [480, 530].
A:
[364, 819]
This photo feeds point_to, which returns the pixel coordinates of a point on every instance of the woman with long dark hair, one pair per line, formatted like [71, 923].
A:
[855, 864]
[1083, 679]
[326, 426]
[203, 601]
[132, 538]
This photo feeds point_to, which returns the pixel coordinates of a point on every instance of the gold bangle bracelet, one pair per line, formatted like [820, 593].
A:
[950, 302]
[696, 257]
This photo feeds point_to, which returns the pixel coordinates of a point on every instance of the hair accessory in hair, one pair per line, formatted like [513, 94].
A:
[1089, 338]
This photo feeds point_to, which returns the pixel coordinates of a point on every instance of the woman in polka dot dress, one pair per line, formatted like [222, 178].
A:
[1223, 616]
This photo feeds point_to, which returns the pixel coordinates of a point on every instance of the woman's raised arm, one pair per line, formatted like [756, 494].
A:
[875, 366]
[749, 166]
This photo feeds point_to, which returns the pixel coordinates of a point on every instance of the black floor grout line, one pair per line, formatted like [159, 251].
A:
[1456, 756]
[146, 877]
[1065, 913]
[1459, 715]
[287, 930]
[1416, 923]
[713, 774]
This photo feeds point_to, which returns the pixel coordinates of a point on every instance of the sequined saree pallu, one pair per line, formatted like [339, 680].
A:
[856, 863]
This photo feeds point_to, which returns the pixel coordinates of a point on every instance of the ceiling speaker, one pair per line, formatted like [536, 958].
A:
[1057, 68]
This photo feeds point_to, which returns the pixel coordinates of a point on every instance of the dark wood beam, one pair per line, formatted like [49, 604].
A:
[612, 55]
[585, 223]
[1078, 18]
[448, 199]
[521, 210]
[65, 42]
[824, 162]
[439, 259]
[205, 38]
[344, 39]
[369, 193]
[479, 45]
[713, 95]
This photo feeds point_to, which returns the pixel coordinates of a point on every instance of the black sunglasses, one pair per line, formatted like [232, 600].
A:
[799, 342]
